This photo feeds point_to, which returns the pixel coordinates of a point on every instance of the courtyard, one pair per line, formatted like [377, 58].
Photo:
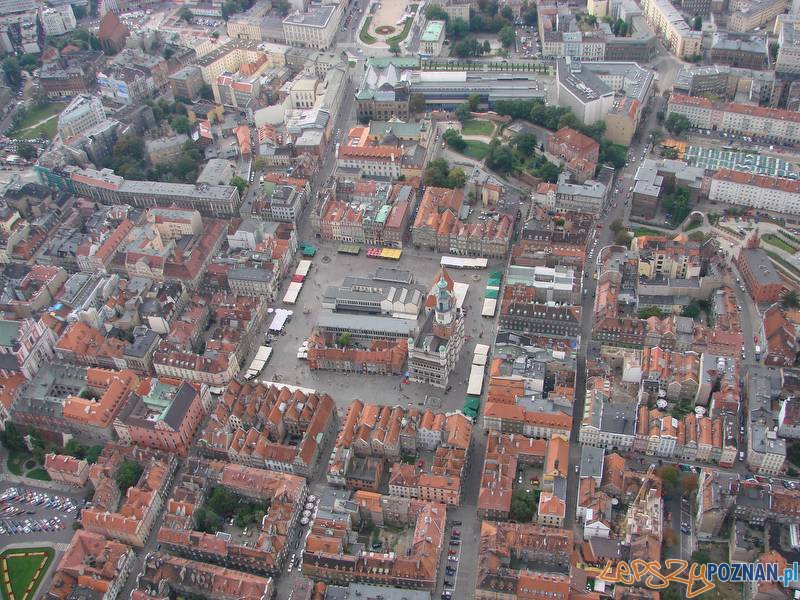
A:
[388, 21]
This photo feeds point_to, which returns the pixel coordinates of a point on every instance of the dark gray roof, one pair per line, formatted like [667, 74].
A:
[180, 406]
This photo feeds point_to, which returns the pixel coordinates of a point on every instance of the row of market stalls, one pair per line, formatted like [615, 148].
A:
[477, 372]
[492, 294]
[296, 284]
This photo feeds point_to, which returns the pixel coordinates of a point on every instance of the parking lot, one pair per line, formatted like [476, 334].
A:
[31, 514]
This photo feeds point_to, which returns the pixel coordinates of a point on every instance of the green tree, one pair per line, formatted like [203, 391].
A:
[456, 177]
[507, 36]
[689, 483]
[613, 154]
[416, 103]
[74, 448]
[239, 183]
[790, 299]
[439, 174]
[701, 557]
[457, 28]
[523, 505]
[463, 112]
[530, 17]
[186, 15]
[656, 135]
[434, 12]
[651, 311]
[222, 502]
[454, 140]
[670, 477]
[29, 62]
[12, 438]
[394, 47]
[206, 520]
[181, 124]
[677, 205]
[500, 158]
[525, 143]
[698, 23]
[473, 101]
[130, 147]
[79, 12]
[617, 225]
[345, 340]
[486, 48]
[128, 474]
[92, 453]
[12, 71]
[774, 47]
[677, 123]
[167, 52]
[26, 150]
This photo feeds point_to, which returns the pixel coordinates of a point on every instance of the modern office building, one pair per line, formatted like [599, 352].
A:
[83, 113]
[431, 41]
[315, 28]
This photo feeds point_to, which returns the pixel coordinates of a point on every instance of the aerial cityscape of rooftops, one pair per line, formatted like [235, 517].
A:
[399, 299]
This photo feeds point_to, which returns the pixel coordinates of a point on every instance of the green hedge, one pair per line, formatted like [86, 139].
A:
[364, 35]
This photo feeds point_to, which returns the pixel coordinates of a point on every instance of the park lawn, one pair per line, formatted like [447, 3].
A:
[475, 149]
[640, 231]
[774, 240]
[36, 114]
[15, 461]
[38, 473]
[478, 127]
[402, 35]
[22, 570]
[47, 128]
[364, 35]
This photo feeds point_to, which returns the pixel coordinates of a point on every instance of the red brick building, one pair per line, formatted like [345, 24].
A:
[758, 274]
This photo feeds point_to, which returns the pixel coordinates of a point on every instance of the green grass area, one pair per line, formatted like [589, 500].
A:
[15, 461]
[25, 128]
[364, 35]
[475, 149]
[774, 240]
[792, 239]
[47, 128]
[22, 572]
[402, 35]
[38, 473]
[477, 127]
[640, 231]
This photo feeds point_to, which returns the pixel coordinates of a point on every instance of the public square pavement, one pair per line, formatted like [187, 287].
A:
[378, 389]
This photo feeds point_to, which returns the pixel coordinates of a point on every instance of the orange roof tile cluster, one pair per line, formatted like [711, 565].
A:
[243, 137]
[670, 367]
[203, 578]
[438, 207]
[90, 561]
[575, 140]
[388, 354]
[254, 423]
[113, 387]
[418, 564]
[380, 153]
[131, 519]
[503, 453]
[284, 492]
[64, 463]
[780, 337]
[500, 541]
